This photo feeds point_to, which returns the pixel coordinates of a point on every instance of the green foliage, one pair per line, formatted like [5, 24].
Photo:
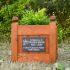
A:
[8, 11]
[60, 66]
[60, 33]
[67, 28]
[35, 18]
[6, 14]
[21, 8]
[64, 32]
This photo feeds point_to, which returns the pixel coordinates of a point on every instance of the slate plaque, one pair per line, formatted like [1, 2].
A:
[34, 43]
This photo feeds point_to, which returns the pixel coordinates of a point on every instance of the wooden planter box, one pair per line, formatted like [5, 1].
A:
[34, 42]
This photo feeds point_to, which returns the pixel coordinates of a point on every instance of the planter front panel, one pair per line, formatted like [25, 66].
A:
[34, 43]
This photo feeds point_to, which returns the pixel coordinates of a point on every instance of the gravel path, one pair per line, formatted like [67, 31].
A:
[5, 64]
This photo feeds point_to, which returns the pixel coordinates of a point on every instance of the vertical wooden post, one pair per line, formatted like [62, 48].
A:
[53, 39]
[14, 30]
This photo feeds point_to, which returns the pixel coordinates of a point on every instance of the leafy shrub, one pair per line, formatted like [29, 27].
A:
[60, 33]
[6, 14]
[59, 66]
[9, 8]
[67, 28]
[64, 31]
[35, 18]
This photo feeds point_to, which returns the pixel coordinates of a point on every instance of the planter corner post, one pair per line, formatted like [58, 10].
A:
[14, 38]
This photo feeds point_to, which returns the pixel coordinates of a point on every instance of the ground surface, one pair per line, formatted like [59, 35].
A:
[6, 64]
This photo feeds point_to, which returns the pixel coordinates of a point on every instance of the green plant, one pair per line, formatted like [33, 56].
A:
[35, 18]
[60, 33]
[59, 66]
[67, 28]
[6, 14]
[64, 31]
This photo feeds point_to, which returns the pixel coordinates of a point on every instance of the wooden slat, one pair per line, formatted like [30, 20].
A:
[33, 29]
[26, 57]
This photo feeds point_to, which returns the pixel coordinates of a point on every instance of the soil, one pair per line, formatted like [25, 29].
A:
[6, 64]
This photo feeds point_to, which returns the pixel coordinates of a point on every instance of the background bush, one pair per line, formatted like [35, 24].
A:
[10, 8]
[6, 13]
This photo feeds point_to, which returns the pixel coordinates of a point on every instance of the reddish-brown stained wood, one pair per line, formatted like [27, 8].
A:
[19, 31]
[34, 57]
[52, 42]
[14, 39]
[33, 29]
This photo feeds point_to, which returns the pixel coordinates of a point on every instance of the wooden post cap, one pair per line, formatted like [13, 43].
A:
[52, 18]
[15, 19]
